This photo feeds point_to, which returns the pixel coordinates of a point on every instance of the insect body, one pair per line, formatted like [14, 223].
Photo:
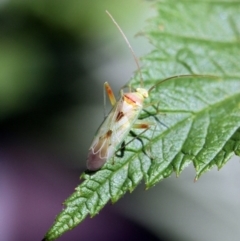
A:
[116, 126]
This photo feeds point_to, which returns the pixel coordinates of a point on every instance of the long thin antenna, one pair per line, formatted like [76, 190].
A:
[130, 47]
[181, 76]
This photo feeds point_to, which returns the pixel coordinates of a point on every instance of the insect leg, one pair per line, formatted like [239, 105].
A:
[135, 136]
[110, 93]
[154, 115]
[121, 150]
[112, 99]
[142, 125]
[138, 137]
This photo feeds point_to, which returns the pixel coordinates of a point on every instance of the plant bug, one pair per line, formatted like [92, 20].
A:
[121, 119]
[118, 123]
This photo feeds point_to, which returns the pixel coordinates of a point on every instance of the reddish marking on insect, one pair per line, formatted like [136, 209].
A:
[110, 94]
[119, 116]
[99, 151]
[128, 99]
[109, 133]
[142, 126]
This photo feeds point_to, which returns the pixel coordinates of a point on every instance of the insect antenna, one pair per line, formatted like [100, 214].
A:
[181, 76]
[129, 45]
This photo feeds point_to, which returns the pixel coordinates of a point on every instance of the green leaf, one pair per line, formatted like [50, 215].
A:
[195, 119]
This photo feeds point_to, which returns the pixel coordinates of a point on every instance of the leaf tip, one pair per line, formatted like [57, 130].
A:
[177, 173]
[196, 178]
[84, 176]
[149, 185]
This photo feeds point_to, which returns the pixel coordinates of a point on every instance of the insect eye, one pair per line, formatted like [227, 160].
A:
[143, 92]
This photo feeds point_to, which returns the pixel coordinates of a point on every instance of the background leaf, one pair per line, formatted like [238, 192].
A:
[202, 114]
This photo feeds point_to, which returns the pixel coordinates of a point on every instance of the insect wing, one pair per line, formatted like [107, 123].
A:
[112, 133]
[101, 148]
[125, 118]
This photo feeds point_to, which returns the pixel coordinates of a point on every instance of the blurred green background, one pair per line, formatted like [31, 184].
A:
[54, 58]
